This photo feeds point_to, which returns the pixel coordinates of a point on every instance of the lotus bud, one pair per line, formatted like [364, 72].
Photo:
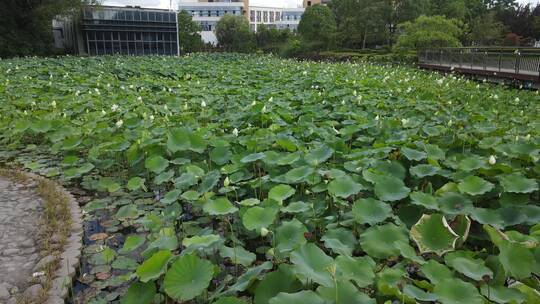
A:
[226, 182]
[517, 99]
[235, 132]
[528, 137]
[114, 107]
[271, 99]
[377, 117]
[151, 117]
[264, 232]
[271, 252]
[203, 104]
[119, 123]
[139, 99]
[492, 160]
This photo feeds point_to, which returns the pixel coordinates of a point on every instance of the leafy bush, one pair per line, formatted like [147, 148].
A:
[317, 28]
[233, 34]
[188, 33]
[429, 32]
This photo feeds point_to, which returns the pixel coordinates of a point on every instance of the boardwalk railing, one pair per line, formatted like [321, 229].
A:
[517, 63]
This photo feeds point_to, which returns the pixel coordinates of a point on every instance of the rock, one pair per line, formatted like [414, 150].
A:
[27, 244]
[12, 301]
[4, 292]
[33, 292]
[43, 262]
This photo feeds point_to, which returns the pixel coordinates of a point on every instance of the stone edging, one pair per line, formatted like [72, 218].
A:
[68, 261]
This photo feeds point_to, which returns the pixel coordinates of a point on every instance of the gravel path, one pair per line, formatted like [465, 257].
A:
[20, 208]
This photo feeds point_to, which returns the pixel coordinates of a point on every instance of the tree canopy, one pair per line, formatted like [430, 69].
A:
[429, 32]
[318, 27]
[188, 33]
[233, 34]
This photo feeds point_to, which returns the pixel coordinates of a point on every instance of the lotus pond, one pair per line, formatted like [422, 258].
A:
[235, 179]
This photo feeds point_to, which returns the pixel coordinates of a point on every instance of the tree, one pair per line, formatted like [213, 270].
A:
[188, 33]
[486, 30]
[429, 32]
[317, 27]
[26, 26]
[233, 34]
[271, 39]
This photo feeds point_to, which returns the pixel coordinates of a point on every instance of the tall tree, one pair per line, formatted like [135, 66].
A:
[318, 27]
[429, 32]
[188, 33]
[233, 34]
[486, 30]
[26, 26]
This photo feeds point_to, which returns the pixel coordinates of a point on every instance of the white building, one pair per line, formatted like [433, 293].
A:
[208, 12]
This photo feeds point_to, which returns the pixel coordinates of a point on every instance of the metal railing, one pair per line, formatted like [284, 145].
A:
[518, 61]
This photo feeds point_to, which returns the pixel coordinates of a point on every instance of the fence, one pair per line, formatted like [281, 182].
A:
[521, 63]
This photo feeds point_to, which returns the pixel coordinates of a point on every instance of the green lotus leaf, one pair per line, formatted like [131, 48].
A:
[532, 295]
[455, 291]
[220, 155]
[299, 174]
[156, 164]
[164, 177]
[139, 293]
[281, 280]
[250, 276]
[453, 203]
[257, 217]
[319, 155]
[250, 202]
[154, 267]
[468, 266]
[105, 256]
[280, 193]
[501, 294]
[436, 272]
[182, 139]
[346, 293]
[124, 263]
[238, 255]
[171, 197]
[219, 206]
[136, 183]
[517, 260]
[487, 216]
[357, 269]
[389, 189]
[425, 200]
[471, 163]
[423, 170]
[311, 263]
[41, 126]
[209, 181]
[188, 277]
[434, 152]
[301, 297]
[191, 195]
[461, 225]
[517, 183]
[127, 212]
[107, 183]
[229, 300]
[202, 241]
[408, 252]
[433, 234]
[370, 211]
[185, 180]
[371, 243]
[70, 143]
[132, 242]
[474, 185]
[340, 240]
[296, 207]
[252, 158]
[288, 158]
[412, 154]
[290, 236]
[419, 294]
[344, 187]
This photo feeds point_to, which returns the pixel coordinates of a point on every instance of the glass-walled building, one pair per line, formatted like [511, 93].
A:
[129, 31]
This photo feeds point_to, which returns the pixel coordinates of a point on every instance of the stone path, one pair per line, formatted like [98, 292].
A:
[20, 209]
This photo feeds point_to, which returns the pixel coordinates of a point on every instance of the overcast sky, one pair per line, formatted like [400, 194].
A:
[274, 3]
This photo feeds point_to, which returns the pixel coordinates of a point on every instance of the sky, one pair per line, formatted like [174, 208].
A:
[274, 3]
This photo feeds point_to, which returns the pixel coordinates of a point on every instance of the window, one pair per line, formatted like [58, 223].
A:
[271, 16]
[278, 16]
[265, 16]
[258, 16]
[252, 16]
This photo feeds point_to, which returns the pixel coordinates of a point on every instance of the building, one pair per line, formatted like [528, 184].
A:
[207, 14]
[109, 30]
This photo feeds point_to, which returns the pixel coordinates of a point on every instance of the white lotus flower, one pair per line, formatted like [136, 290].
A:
[235, 132]
[517, 99]
[139, 98]
[203, 104]
[264, 232]
[304, 73]
[119, 123]
[492, 160]
[271, 99]
[377, 117]
[103, 112]
[77, 93]
[114, 107]
[165, 107]
[151, 117]
[53, 103]
[264, 109]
